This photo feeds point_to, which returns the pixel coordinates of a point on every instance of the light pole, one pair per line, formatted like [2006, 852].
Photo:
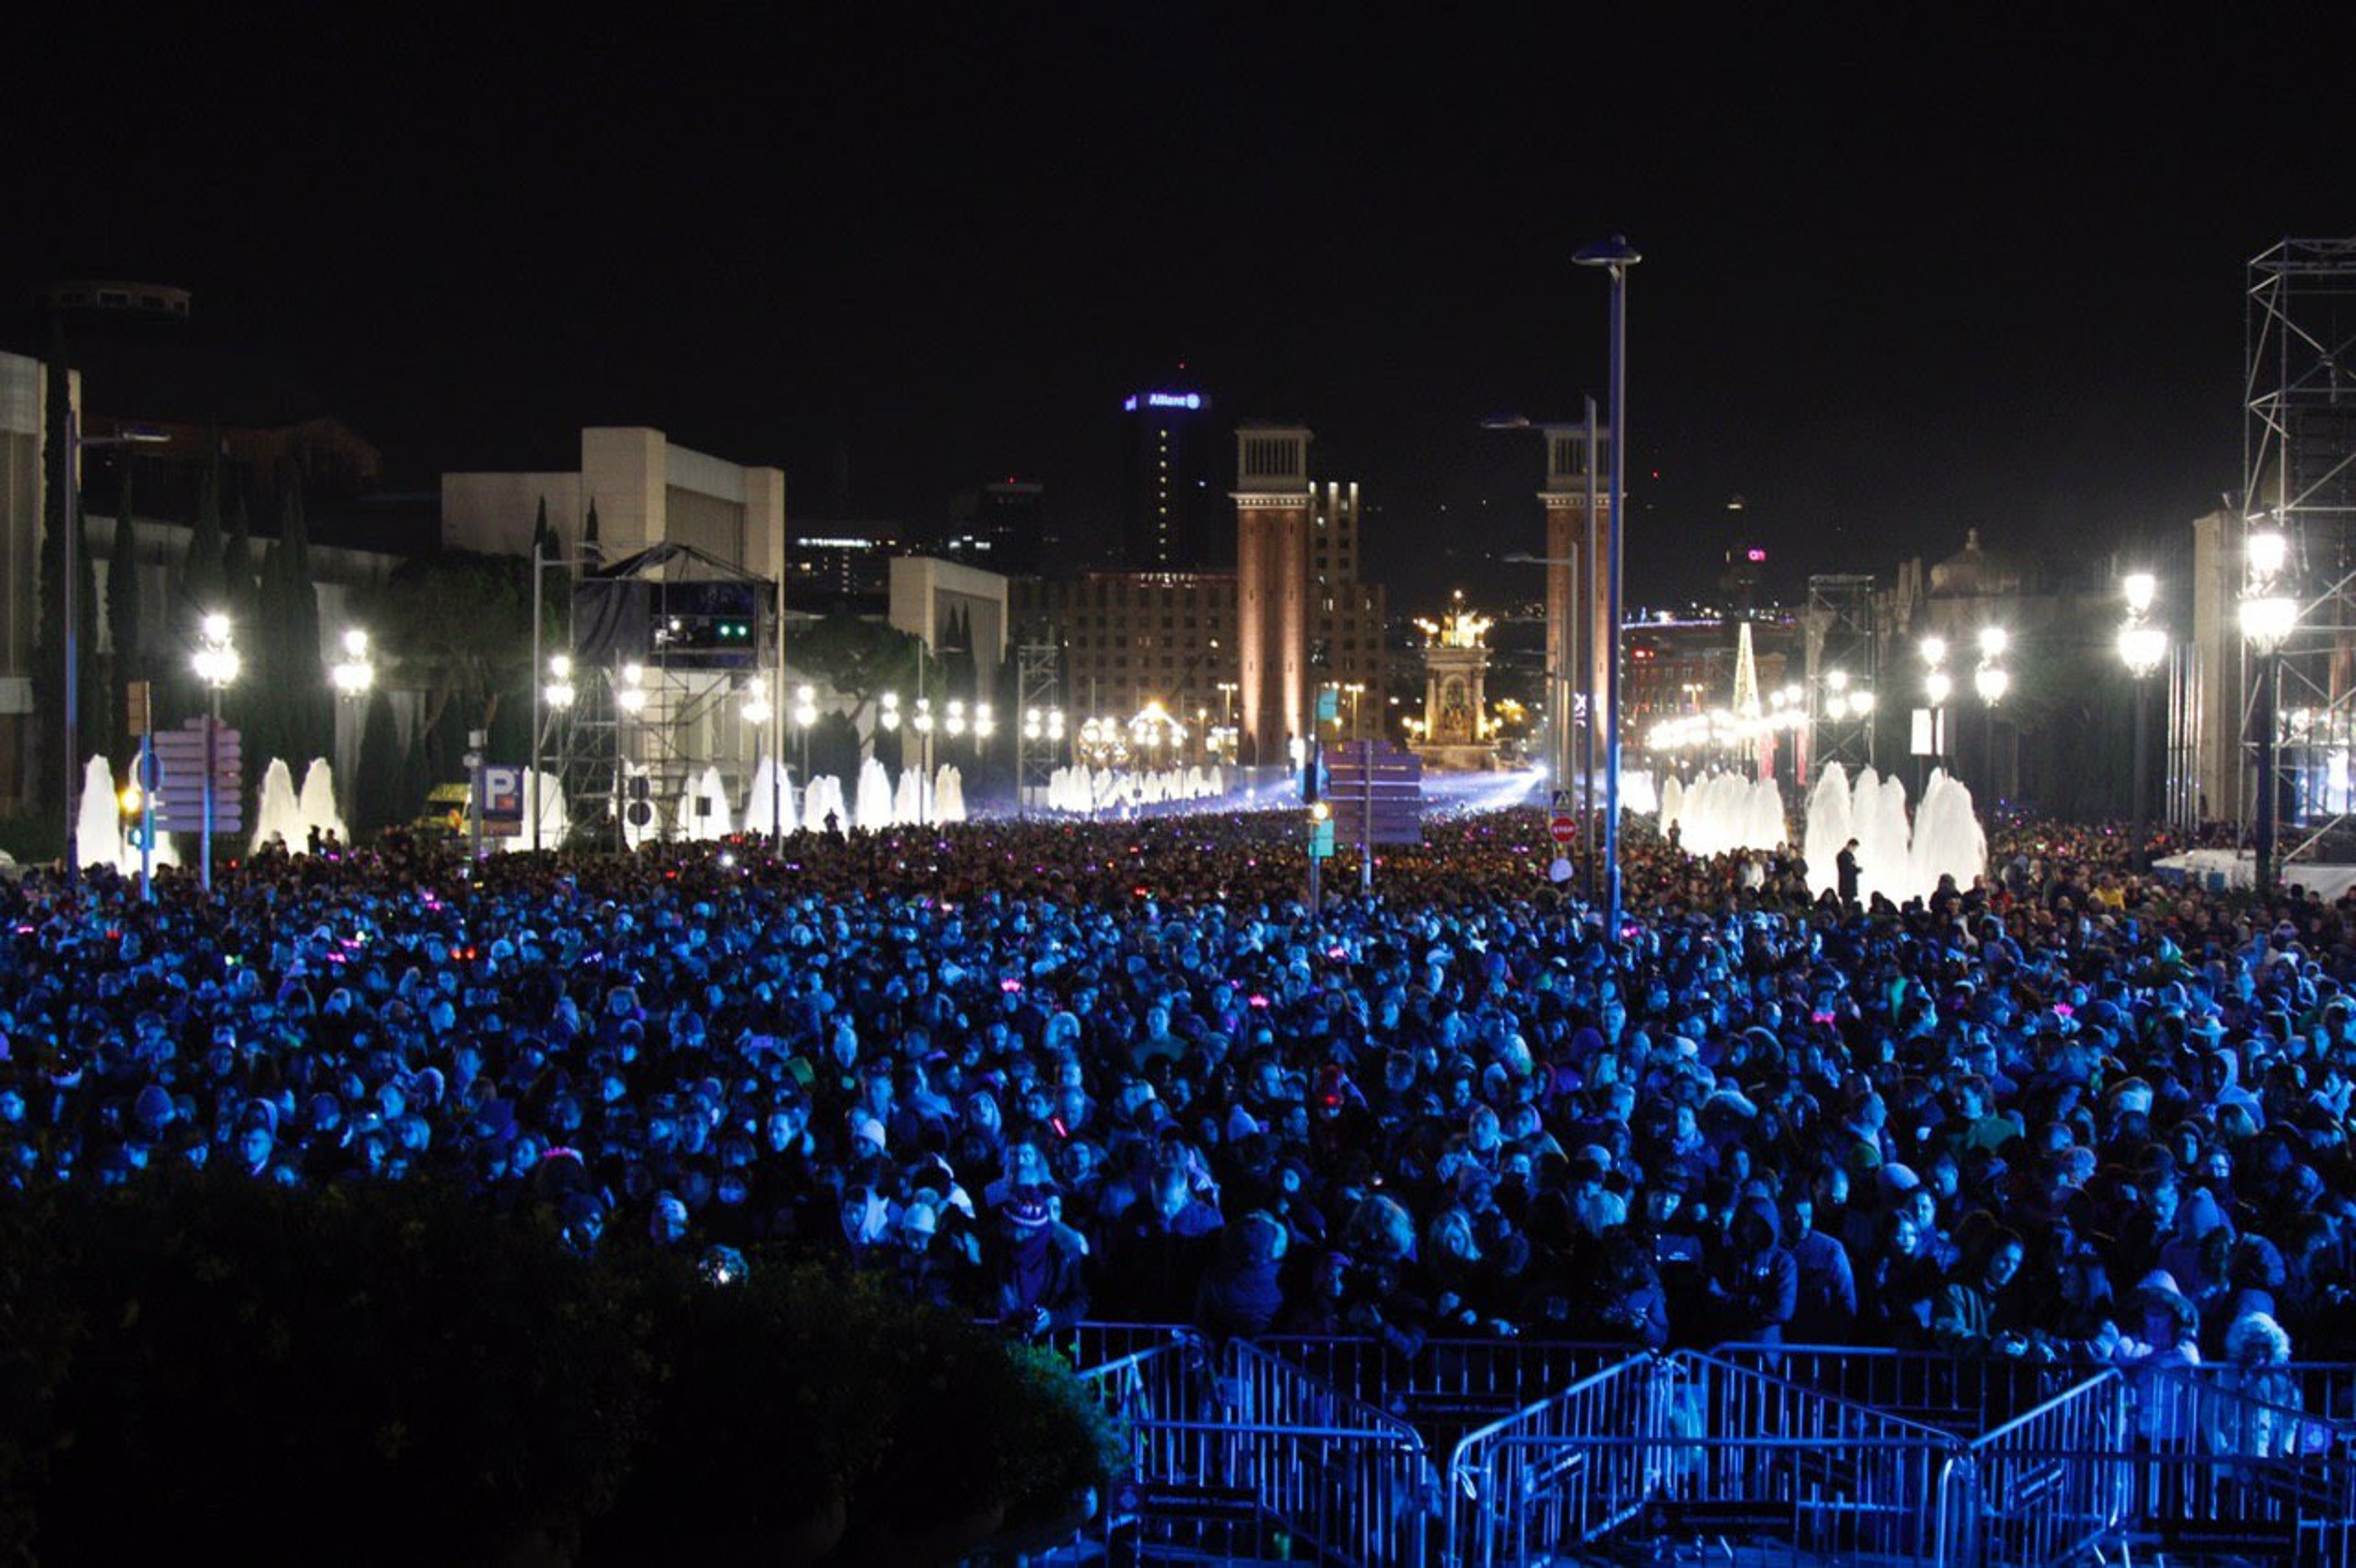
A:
[1936, 688]
[1991, 680]
[923, 725]
[805, 715]
[556, 695]
[354, 674]
[217, 664]
[2269, 615]
[630, 699]
[75, 444]
[1615, 256]
[2143, 644]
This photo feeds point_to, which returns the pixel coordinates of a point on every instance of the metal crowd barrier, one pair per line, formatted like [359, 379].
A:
[1446, 1388]
[1965, 1395]
[2227, 1471]
[1242, 1454]
[2051, 1485]
[1087, 1345]
[1565, 1470]
[1311, 1448]
[1749, 1454]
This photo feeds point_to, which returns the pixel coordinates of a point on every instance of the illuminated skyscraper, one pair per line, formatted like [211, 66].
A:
[1170, 493]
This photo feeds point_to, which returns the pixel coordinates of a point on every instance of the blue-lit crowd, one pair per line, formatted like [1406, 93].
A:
[1041, 1073]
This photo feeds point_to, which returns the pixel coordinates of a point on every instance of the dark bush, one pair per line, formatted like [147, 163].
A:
[381, 1374]
[401, 1374]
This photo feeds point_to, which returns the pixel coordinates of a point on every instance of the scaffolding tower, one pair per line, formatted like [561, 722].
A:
[1039, 710]
[2299, 479]
[1843, 670]
[664, 643]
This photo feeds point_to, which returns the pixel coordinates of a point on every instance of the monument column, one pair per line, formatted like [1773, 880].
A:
[1271, 589]
[1578, 596]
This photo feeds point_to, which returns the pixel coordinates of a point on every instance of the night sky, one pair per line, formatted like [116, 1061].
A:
[1898, 280]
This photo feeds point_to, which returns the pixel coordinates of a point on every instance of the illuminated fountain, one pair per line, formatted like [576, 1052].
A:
[316, 803]
[97, 829]
[1896, 858]
[876, 806]
[949, 795]
[770, 797]
[280, 814]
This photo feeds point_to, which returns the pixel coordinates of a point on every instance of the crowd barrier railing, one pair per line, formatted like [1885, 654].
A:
[2051, 1485]
[1745, 1451]
[1446, 1386]
[1825, 1451]
[2216, 1468]
[1238, 1452]
[1566, 1468]
[1966, 1395]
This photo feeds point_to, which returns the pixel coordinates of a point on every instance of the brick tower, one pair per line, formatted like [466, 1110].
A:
[1272, 610]
[1579, 645]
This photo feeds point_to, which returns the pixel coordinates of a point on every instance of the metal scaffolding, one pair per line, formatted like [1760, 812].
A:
[1842, 662]
[1039, 712]
[2299, 479]
[654, 690]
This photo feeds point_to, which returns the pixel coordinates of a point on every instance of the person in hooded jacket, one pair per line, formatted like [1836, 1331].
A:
[1241, 1296]
[1754, 1283]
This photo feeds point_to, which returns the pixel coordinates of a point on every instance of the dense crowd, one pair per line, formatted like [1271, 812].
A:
[1042, 1072]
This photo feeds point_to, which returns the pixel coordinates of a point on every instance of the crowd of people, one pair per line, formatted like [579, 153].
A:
[1044, 1072]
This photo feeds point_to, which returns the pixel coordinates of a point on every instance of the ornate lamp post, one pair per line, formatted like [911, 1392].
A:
[217, 664]
[354, 675]
[2143, 645]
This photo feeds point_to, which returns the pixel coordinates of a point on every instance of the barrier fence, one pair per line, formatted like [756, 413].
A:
[2048, 1486]
[1446, 1388]
[1238, 1453]
[1306, 1449]
[1964, 1394]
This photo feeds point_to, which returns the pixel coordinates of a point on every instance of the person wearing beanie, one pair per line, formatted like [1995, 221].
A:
[1036, 1279]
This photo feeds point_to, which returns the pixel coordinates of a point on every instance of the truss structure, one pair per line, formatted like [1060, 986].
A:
[1837, 631]
[1039, 743]
[647, 705]
[2299, 478]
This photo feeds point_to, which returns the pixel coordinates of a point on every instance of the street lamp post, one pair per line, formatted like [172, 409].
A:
[1936, 688]
[215, 663]
[1992, 682]
[2269, 615]
[354, 674]
[71, 590]
[923, 724]
[805, 715]
[1615, 256]
[2142, 645]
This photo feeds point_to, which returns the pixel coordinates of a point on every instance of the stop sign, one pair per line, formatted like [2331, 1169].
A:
[1564, 828]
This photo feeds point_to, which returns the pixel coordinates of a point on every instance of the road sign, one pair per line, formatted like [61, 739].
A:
[1377, 794]
[135, 707]
[502, 800]
[179, 787]
[1564, 826]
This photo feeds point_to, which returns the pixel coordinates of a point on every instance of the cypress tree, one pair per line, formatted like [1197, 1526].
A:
[123, 605]
[237, 574]
[377, 799]
[201, 580]
[309, 711]
[196, 592]
[591, 549]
